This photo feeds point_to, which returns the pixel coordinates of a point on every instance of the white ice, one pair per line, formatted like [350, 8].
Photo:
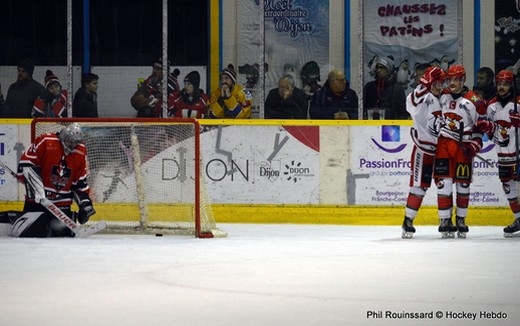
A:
[263, 275]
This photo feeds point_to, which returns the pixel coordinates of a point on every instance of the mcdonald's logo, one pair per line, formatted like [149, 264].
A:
[463, 171]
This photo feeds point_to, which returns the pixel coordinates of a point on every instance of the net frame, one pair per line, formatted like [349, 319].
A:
[203, 224]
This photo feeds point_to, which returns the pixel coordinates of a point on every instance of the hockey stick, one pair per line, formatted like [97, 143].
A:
[36, 185]
[517, 181]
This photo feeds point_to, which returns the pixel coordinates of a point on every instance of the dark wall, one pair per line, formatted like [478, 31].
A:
[122, 32]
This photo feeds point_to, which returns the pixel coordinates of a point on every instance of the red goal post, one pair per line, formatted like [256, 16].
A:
[145, 175]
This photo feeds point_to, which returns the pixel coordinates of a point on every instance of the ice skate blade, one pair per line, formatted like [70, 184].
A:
[406, 235]
[447, 235]
[461, 235]
[512, 235]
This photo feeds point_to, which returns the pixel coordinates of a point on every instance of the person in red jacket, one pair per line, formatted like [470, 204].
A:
[60, 160]
[191, 102]
[53, 104]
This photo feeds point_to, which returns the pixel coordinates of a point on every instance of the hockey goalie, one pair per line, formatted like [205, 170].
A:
[54, 171]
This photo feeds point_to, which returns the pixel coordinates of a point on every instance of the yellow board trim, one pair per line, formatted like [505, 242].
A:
[307, 214]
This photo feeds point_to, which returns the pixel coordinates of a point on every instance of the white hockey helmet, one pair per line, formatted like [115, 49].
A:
[70, 136]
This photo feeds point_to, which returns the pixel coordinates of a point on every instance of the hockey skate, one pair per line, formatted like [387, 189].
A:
[462, 228]
[447, 229]
[512, 230]
[408, 229]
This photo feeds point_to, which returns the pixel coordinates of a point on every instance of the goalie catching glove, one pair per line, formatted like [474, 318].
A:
[86, 210]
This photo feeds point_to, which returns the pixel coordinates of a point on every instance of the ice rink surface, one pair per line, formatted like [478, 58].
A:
[264, 275]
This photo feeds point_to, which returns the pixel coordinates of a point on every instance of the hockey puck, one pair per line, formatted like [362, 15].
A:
[158, 234]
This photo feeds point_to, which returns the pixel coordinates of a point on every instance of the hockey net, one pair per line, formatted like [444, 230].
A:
[145, 175]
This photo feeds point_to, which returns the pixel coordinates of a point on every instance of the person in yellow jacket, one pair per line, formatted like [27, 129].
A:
[230, 100]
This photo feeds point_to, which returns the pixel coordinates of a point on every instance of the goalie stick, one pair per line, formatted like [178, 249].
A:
[36, 184]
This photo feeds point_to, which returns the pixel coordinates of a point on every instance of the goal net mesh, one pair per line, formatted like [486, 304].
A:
[145, 175]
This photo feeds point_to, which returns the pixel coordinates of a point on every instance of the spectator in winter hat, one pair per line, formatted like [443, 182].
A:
[230, 100]
[191, 102]
[147, 100]
[54, 103]
[384, 96]
[22, 93]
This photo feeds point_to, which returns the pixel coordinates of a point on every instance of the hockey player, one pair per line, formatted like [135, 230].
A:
[457, 145]
[60, 160]
[424, 107]
[500, 129]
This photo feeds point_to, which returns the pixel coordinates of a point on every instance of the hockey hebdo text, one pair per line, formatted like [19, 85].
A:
[438, 314]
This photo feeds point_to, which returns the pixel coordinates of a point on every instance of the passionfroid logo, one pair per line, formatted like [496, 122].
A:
[390, 134]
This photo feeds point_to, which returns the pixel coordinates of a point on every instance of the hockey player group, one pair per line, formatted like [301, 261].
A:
[449, 121]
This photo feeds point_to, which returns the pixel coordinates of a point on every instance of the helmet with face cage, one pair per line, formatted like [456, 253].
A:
[70, 136]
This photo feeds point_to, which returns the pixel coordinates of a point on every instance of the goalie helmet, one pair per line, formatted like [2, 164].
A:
[505, 76]
[70, 136]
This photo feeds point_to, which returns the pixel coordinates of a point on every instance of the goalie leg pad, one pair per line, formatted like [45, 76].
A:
[33, 184]
[31, 225]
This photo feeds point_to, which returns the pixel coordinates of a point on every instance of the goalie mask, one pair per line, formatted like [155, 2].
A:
[70, 137]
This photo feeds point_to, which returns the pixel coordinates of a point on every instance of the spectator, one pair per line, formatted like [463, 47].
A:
[54, 102]
[310, 75]
[147, 100]
[384, 97]
[230, 100]
[485, 86]
[191, 102]
[335, 100]
[286, 101]
[22, 93]
[85, 100]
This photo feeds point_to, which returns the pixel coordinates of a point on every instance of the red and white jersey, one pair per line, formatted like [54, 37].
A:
[55, 109]
[461, 110]
[181, 106]
[504, 135]
[425, 110]
[61, 174]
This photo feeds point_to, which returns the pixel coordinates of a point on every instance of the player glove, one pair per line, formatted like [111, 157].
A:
[515, 119]
[485, 126]
[86, 210]
[472, 147]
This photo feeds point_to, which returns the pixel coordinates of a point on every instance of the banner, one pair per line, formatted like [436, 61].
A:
[295, 33]
[410, 33]
[507, 33]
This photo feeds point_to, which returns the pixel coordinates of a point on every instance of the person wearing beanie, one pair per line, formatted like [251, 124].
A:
[147, 100]
[54, 103]
[22, 93]
[230, 100]
[191, 102]
[384, 96]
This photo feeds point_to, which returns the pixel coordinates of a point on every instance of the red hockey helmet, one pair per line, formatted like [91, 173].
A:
[504, 76]
[456, 71]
